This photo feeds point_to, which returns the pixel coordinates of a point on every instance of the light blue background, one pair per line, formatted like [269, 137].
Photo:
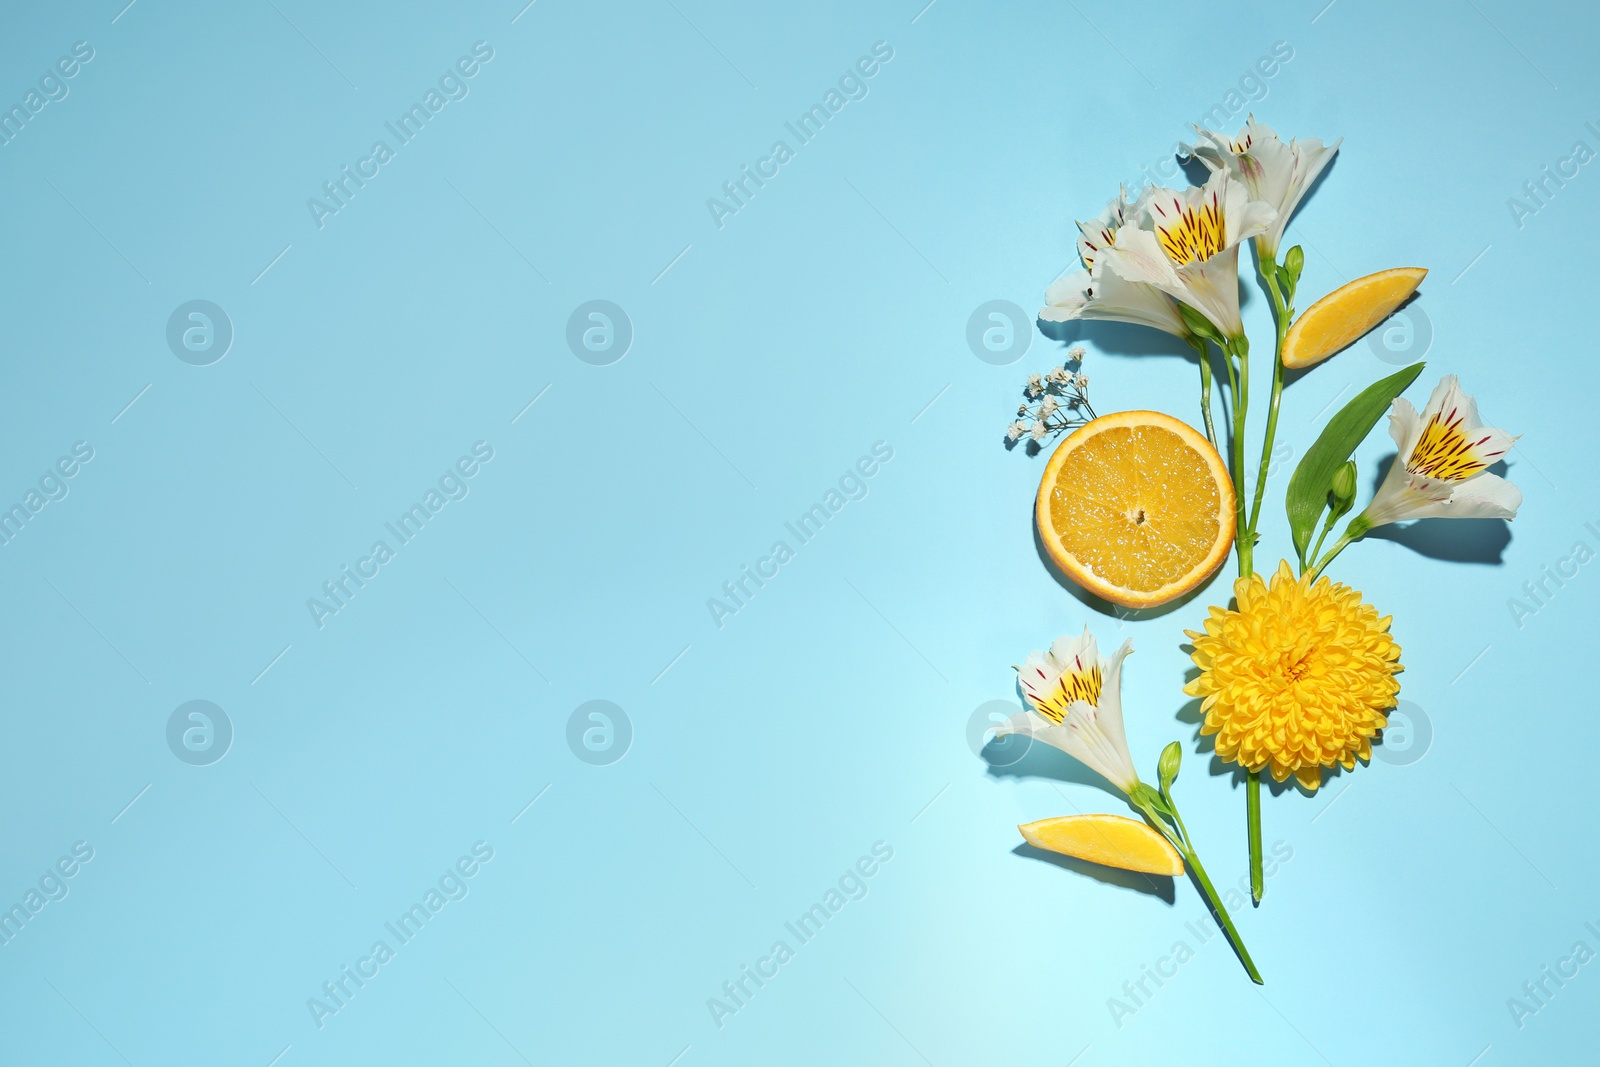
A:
[829, 713]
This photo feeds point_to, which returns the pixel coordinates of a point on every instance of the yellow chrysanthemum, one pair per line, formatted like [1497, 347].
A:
[1298, 678]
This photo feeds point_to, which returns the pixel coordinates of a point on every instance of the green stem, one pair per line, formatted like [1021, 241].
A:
[1233, 374]
[1223, 917]
[1244, 537]
[1282, 313]
[1199, 346]
[1244, 545]
[1354, 532]
[1252, 804]
[1183, 830]
[1180, 841]
[1327, 528]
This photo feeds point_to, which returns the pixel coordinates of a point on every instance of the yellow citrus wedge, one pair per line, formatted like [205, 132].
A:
[1109, 840]
[1348, 312]
[1137, 508]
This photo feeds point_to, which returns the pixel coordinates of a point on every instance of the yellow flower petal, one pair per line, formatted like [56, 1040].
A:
[1297, 678]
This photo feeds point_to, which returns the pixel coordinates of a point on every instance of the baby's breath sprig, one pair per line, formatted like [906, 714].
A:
[1059, 401]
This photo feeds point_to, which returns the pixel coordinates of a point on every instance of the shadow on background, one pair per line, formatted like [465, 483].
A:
[1452, 540]
[1155, 885]
[1117, 338]
[1045, 761]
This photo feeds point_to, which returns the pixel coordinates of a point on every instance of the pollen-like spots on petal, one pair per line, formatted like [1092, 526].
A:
[1445, 452]
[1079, 681]
[1191, 233]
[1092, 244]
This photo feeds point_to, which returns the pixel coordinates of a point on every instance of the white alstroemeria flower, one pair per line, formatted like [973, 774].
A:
[1075, 701]
[1441, 470]
[1091, 294]
[1272, 171]
[1186, 244]
[1083, 294]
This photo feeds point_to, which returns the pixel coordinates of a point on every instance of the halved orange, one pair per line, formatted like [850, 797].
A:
[1137, 508]
[1347, 313]
[1109, 840]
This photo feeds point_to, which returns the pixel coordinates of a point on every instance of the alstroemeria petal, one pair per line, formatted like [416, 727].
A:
[1091, 749]
[1405, 425]
[1069, 653]
[1310, 158]
[1213, 290]
[1076, 705]
[1403, 497]
[1485, 496]
[1186, 243]
[1245, 216]
[1065, 298]
[1488, 496]
[1107, 297]
[1273, 172]
[1111, 696]
[1099, 232]
[1441, 470]
[1137, 257]
[1067, 674]
[1453, 443]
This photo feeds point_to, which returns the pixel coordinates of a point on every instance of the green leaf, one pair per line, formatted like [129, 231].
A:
[1144, 795]
[1313, 478]
[1286, 282]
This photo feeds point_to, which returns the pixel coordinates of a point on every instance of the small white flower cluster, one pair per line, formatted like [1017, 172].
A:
[1061, 401]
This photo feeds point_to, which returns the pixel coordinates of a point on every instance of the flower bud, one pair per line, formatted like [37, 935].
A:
[1167, 766]
[1343, 491]
[1294, 261]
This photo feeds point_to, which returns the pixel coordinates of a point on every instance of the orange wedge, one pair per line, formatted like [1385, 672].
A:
[1345, 314]
[1137, 508]
[1109, 840]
